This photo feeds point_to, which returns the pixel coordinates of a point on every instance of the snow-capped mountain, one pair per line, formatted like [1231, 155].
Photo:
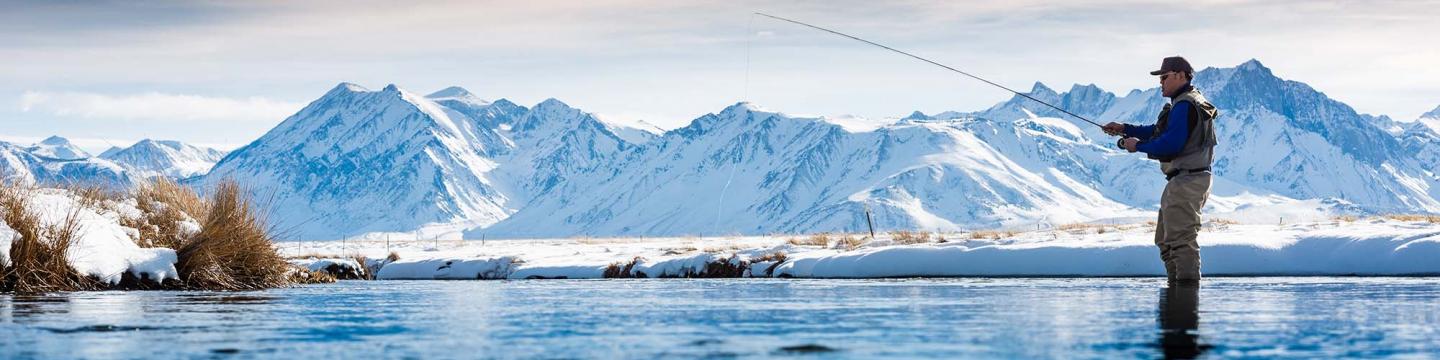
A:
[164, 158]
[1296, 145]
[57, 161]
[19, 164]
[1282, 137]
[747, 170]
[1432, 115]
[1422, 138]
[359, 162]
[59, 148]
[1287, 137]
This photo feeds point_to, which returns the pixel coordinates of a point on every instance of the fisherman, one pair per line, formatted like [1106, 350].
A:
[1183, 140]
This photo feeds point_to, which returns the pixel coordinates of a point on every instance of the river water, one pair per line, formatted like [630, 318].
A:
[1308, 317]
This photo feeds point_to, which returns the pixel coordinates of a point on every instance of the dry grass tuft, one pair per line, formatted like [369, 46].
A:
[723, 249]
[849, 242]
[1083, 228]
[1433, 219]
[233, 250]
[731, 267]
[679, 250]
[623, 271]
[358, 272]
[992, 234]
[393, 257]
[724, 268]
[299, 275]
[821, 239]
[366, 274]
[37, 258]
[164, 207]
[92, 196]
[776, 258]
[1218, 221]
[907, 237]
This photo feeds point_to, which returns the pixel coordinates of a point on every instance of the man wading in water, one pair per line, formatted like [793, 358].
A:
[1183, 140]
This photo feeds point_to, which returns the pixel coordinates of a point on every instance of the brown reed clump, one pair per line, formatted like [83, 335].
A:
[92, 196]
[1433, 219]
[37, 261]
[849, 242]
[623, 271]
[907, 237]
[992, 234]
[164, 207]
[299, 275]
[776, 258]
[820, 239]
[233, 250]
[723, 268]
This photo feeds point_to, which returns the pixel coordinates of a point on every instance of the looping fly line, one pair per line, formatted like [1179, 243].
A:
[947, 67]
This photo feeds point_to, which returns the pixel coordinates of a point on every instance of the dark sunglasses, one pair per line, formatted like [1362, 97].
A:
[1167, 75]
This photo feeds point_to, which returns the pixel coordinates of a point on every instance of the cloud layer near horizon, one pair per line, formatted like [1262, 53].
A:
[134, 70]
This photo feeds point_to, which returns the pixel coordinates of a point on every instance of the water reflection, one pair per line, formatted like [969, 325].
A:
[913, 318]
[1179, 319]
[24, 309]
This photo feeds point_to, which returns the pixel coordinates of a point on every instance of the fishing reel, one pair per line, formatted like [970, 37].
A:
[1121, 143]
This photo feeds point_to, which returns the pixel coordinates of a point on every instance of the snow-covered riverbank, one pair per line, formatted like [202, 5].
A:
[101, 247]
[106, 250]
[1362, 247]
[159, 235]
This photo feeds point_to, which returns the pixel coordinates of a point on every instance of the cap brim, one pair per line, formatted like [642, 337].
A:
[1158, 72]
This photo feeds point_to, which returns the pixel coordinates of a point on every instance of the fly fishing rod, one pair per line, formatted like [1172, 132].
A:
[947, 67]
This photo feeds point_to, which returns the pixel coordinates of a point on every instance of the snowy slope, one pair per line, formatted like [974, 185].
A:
[562, 151]
[59, 148]
[1422, 138]
[1286, 137]
[631, 130]
[746, 170]
[173, 159]
[1431, 119]
[19, 164]
[359, 162]
[1010, 165]
[1277, 137]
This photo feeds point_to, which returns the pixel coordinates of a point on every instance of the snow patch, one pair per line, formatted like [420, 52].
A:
[102, 248]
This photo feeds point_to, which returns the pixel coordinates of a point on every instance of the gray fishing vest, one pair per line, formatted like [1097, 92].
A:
[1199, 149]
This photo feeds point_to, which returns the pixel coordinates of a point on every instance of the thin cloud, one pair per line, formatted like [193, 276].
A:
[154, 106]
[677, 60]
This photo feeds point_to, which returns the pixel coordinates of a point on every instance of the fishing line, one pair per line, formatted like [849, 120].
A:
[719, 208]
[749, 37]
[947, 67]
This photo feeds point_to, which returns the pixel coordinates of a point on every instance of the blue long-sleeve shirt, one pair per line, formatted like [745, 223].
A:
[1169, 142]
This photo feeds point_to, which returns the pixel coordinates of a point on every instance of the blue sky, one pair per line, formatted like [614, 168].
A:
[222, 73]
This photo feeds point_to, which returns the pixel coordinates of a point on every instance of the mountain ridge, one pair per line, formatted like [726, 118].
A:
[360, 162]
